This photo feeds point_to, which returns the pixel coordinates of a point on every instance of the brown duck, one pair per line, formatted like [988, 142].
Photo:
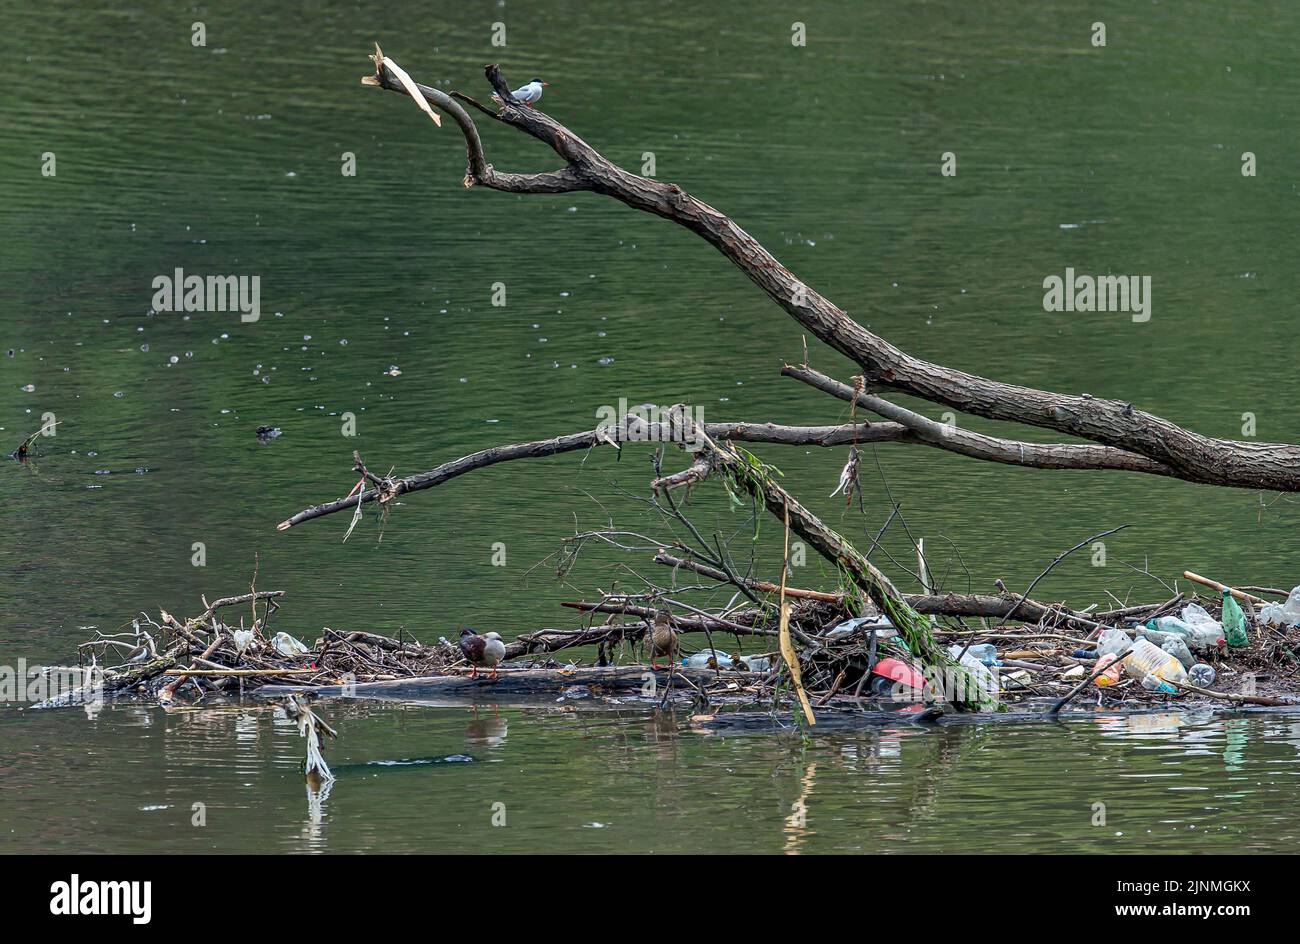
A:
[663, 638]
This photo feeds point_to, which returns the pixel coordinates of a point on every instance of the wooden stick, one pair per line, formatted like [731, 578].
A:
[168, 691]
[787, 647]
[1215, 585]
[1235, 698]
[683, 624]
[763, 586]
[1061, 703]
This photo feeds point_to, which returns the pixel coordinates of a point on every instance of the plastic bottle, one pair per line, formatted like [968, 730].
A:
[982, 675]
[1208, 631]
[883, 627]
[1177, 648]
[1159, 637]
[985, 652]
[1234, 622]
[1113, 641]
[1194, 614]
[1148, 659]
[286, 645]
[701, 659]
[1154, 683]
[1201, 674]
[1199, 633]
[1171, 626]
[1111, 674]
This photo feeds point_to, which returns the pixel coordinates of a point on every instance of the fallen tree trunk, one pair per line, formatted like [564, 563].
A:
[1113, 423]
[1121, 437]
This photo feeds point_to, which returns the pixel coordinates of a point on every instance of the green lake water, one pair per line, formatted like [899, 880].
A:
[226, 158]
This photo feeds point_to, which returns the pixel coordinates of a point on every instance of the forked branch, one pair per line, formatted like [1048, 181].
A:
[613, 435]
[1112, 423]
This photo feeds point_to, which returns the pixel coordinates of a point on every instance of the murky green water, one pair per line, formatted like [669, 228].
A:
[226, 159]
[414, 779]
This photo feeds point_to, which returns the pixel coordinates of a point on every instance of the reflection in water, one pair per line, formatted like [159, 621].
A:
[318, 793]
[415, 778]
[487, 731]
[1234, 748]
[796, 824]
[1156, 722]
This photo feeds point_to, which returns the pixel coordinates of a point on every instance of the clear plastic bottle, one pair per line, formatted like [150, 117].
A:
[702, 659]
[1149, 659]
[1177, 648]
[1154, 683]
[1194, 614]
[1160, 637]
[1173, 626]
[1113, 641]
[983, 676]
[1199, 633]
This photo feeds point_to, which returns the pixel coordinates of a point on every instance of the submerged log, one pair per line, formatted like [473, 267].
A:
[625, 681]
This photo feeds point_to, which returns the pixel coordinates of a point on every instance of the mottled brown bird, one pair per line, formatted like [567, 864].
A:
[663, 638]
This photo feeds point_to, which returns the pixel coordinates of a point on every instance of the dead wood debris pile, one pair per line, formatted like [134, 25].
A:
[846, 661]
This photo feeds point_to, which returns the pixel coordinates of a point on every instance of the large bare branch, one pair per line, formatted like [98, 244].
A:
[1107, 422]
[1047, 456]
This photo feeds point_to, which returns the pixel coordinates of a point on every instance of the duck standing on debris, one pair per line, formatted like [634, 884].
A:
[486, 650]
[663, 638]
